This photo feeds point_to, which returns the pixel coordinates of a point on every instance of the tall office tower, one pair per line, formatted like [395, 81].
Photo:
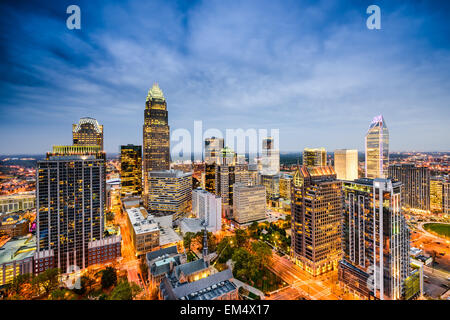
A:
[70, 203]
[446, 196]
[375, 239]
[156, 135]
[346, 164]
[270, 157]
[416, 185]
[249, 203]
[253, 174]
[130, 170]
[316, 206]
[285, 186]
[377, 149]
[227, 174]
[436, 186]
[169, 192]
[87, 132]
[213, 146]
[314, 157]
[272, 185]
[208, 207]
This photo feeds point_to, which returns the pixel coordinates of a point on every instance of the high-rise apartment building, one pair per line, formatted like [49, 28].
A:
[314, 157]
[285, 186]
[169, 192]
[213, 146]
[130, 170]
[377, 149]
[87, 133]
[270, 157]
[416, 185]
[316, 206]
[375, 239]
[446, 196]
[346, 164]
[436, 188]
[207, 207]
[156, 136]
[249, 203]
[70, 204]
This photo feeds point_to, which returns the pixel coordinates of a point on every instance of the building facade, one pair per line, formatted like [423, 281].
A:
[377, 149]
[270, 157]
[314, 157]
[249, 203]
[346, 164]
[416, 185]
[144, 231]
[316, 206]
[169, 192]
[213, 146]
[130, 170]
[207, 207]
[446, 197]
[17, 202]
[272, 185]
[436, 188]
[156, 136]
[87, 133]
[375, 239]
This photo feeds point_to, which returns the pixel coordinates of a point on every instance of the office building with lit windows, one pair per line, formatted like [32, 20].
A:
[272, 185]
[213, 146]
[270, 157]
[377, 149]
[314, 157]
[169, 193]
[316, 206]
[70, 204]
[436, 188]
[446, 196]
[285, 186]
[416, 185]
[156, 136]
[249, 203]
[87, 132]
[130, 170]
[376, 238]
[346, 164]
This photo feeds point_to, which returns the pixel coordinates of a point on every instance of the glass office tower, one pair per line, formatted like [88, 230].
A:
[87, 132]
[377, 149]
[130, 170]
[314, 157]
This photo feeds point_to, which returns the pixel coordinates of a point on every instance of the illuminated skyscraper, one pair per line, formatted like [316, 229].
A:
[213, 146]
[446, 196]
[346, 164]
[375, 239]
[156, 136]
[87, 132]
[377, 149]
[436, 188]
[249, 203]
[270, 157]
[130, 170]
[314, 157]
[71, 197]
[416, 185]
[316, 205]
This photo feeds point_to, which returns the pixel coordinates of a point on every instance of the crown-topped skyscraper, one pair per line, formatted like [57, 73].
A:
[377, 149]
[156, 134]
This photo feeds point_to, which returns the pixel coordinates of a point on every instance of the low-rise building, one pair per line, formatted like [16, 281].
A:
[144, 230]
[16, 258]
[13, 225]
[17, 202]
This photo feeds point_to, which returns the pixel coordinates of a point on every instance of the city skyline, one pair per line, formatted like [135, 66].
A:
[105, 70]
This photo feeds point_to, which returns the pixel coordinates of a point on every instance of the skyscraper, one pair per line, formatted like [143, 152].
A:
[346, 164]
[130, 170]
[156, 135]
[70, 203]
[316, 205]
[314, 157]
[375, 239]
[270, 157]
[213, 146]
[207, 207]
[249, 203]
[87, 132]
[416, 185]
[377, 149]
[446, 196]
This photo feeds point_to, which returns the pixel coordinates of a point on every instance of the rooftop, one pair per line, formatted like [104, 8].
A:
[142, 222]
[17, 249]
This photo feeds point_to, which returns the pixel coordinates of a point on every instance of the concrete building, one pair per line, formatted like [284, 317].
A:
[208, 207]
[249, 203]
[316, 206]
[270, 157]
[346, 164]
[17, 202]
[144, 230]
[169, 193]
[13, 225]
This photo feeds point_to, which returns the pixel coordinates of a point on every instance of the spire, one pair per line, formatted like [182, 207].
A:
[155, 93]
[205, 244]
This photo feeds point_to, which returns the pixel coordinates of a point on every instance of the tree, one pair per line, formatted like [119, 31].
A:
[109, 216]
[241, 237]
[109, 277]
[18, 283]
[263, 253]
[58, 294]
[125, 291]
[49, 280]
[187, 240]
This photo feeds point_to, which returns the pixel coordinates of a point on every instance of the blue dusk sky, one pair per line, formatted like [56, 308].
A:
[311, 69]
